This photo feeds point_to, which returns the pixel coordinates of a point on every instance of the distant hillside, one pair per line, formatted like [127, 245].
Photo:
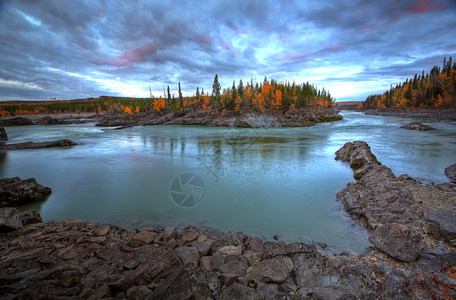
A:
[346, 104]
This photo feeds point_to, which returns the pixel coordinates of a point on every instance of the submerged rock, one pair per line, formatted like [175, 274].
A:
[32, 145]
[14, 191]
[417, 126]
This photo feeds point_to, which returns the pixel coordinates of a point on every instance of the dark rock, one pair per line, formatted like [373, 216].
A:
[103, 230]
[30, 217]
[9, 219]
[50, 121]
[450, 172]
[256, 245]
[240, 292]
[14, 191]
[359, 155]
[203, 247]
[206, 262]
[235, 267]
[168, 233]
[16, 121]
[32, 145]
[276, 270]
[382, 203]
[308, 272]
[228, 279]
[3, 134]
[443, 225]
[188, 255]
[268, 291]
[417, 126]
[138, 292]
[145, 236]
[398, 241]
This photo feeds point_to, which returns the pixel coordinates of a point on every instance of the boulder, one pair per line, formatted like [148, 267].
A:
[30, 217]
[14, 191]
[443, 225]
[240, 292]
[32, 145]
[188, 255]
[3, 134]
[417, 126]
[9, 219]
[49, 121]
[398, 241]
[16, 121]
[450, 172]
[276, 270]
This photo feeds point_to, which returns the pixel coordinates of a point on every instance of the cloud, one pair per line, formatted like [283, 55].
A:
[76, 49]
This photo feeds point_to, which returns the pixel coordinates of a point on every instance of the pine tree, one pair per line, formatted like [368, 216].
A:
[181, 101]
[216, 92]
[169, 103]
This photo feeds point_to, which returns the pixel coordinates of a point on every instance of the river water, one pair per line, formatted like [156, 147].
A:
[276, 181]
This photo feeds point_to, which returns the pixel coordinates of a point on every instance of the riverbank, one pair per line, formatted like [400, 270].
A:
[73, 258]
[188, 116]
[438, 114]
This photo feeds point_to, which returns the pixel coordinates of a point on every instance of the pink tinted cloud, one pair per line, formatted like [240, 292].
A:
[129, 57]
[204, 40]
[335, 47]
[423, 6]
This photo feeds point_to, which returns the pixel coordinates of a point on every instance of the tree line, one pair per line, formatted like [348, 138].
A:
[436, 89]
[269, 95]
[266, 96]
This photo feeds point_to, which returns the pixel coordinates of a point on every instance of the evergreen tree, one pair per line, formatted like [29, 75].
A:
[170, 104]
[181, 101]
[216, 92]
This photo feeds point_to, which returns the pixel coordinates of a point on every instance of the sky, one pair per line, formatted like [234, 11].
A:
[70, 49]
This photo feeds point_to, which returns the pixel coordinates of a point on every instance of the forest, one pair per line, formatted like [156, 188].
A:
[436, 89]
[267, 96]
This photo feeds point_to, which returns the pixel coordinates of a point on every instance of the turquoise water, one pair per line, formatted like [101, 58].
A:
[277, 181]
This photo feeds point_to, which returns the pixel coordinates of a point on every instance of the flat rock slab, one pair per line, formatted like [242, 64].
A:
[14, 191]
[417, 126]
[443, 225]
[32, 145]
[398, 241]
[276, 270]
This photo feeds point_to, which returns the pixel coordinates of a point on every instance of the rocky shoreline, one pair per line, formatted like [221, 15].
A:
[188, 116]
[411, 228]
[448, 114]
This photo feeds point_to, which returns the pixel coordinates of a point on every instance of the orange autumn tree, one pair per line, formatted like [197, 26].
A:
[159, 104]
[127, 110]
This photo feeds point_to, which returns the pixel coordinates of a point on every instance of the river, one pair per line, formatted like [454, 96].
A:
[275, 181]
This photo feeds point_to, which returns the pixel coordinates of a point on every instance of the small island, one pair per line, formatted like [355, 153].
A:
[265, 104]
